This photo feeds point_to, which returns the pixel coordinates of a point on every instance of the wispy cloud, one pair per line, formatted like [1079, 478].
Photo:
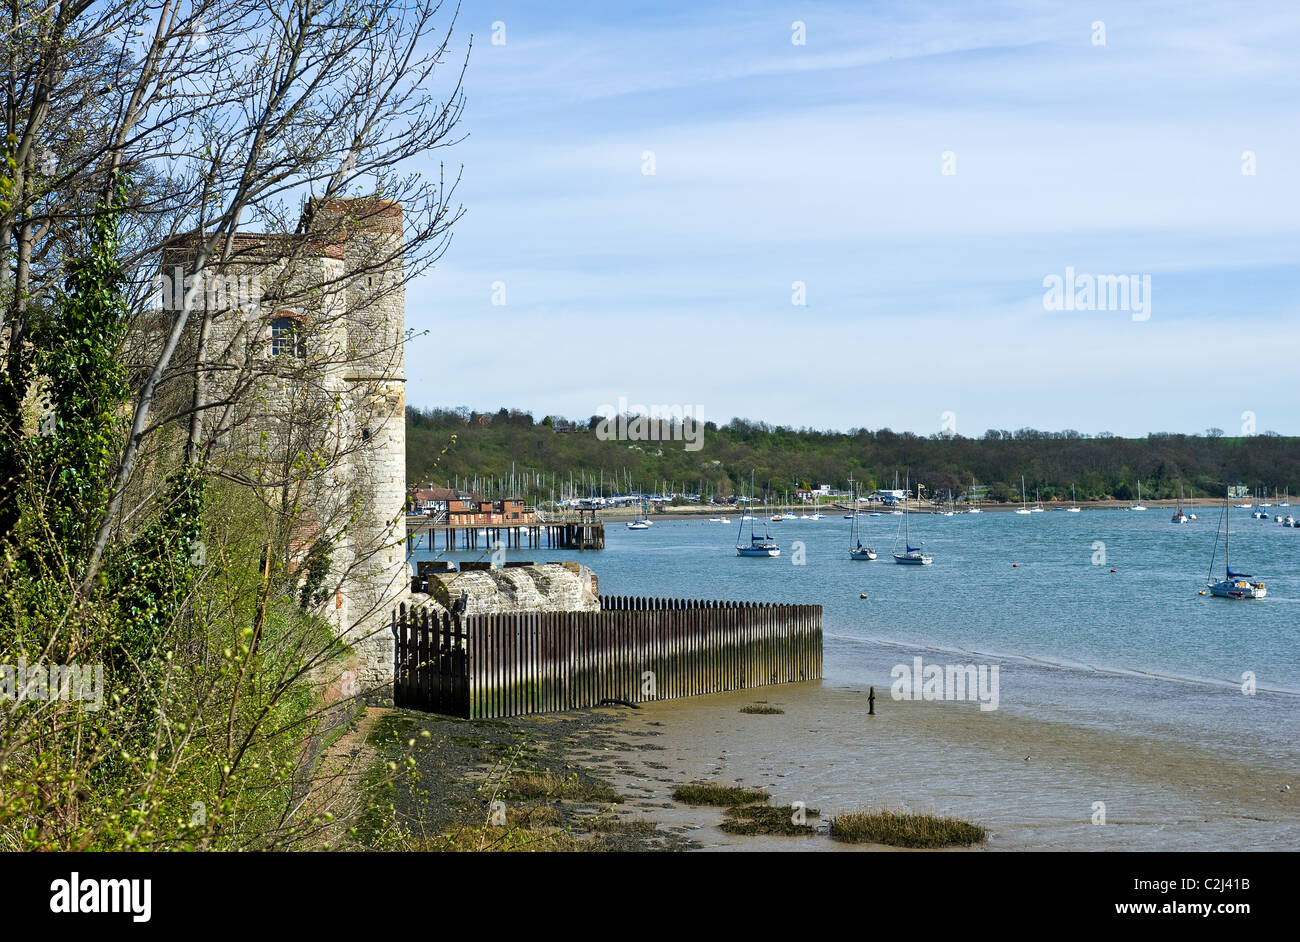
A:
[777, 163]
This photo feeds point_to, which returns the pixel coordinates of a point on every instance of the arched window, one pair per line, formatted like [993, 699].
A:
[286, 337]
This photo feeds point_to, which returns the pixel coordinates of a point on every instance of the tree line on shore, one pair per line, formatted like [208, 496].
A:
[514, 451]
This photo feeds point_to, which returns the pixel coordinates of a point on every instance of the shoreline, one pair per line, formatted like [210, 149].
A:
[1036, 784]
[834, 510]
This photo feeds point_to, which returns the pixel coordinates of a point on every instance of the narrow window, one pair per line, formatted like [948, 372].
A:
[286, 337]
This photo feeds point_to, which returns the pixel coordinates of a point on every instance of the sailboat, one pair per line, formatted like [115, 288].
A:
[1038, 504]
[1179, 516]
[912, 556]
[1138, 505]
[1258, 513]
[1024, 504]
[817, 513]
[644, 523]
[1233, 585]
[1074, 503]
[856, 549]
[758, 545]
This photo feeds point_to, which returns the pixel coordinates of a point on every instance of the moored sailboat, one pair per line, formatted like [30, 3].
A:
[758, 545]
[856, 549]
[1233, 585]
[912, 555]
[1024, 504]
[1074, 507]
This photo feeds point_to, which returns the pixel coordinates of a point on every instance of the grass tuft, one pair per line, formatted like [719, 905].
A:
[761, 819]
[710, 793]
[901, 829]
[761, 709]
[530, 785]
[604, 825]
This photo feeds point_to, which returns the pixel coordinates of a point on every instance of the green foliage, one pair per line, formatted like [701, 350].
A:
[710, 793]
[903, 829]
[209, 666]
[783, 459]
[317, 568]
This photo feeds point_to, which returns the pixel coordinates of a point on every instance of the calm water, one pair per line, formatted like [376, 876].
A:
[1136, 650]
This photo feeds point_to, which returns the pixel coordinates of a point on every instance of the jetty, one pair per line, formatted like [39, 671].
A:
[585, 533]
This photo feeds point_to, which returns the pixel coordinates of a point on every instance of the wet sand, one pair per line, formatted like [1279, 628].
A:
[1032, 783]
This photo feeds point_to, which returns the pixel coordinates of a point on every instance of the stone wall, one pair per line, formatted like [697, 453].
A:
[548, 587]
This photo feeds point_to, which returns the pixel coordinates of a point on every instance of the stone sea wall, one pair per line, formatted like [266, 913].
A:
[547, 587]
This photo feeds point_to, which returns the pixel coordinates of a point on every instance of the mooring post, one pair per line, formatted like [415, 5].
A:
[871, 702]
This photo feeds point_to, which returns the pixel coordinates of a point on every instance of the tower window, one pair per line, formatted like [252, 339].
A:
[286, 337]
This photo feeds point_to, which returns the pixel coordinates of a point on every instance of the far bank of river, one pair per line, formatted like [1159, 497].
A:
[1199, 506]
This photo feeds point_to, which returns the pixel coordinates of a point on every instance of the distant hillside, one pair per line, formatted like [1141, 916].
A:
[488, 445]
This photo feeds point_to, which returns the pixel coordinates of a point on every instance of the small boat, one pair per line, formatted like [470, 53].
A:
[1179, 516]
[912, 555]
[1024, 504]
[644, 523]
[758, 545]
[856, 549]
[1074, 503]
[1138, 505]
[1233, 585]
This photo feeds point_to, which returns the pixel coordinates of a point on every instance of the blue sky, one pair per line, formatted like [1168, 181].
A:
[822, 163]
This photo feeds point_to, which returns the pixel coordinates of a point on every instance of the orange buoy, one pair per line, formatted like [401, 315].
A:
[1114, 570]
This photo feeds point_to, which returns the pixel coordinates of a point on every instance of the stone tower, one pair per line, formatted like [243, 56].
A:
[303, 337]
[374, 382]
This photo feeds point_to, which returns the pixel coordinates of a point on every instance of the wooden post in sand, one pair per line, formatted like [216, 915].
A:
[871, 702]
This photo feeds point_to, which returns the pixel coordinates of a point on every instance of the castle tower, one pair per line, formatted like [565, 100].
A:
[315, 332]
[376, 576]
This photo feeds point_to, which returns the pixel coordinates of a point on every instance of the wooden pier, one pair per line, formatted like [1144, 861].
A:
[633, 649]
[584, 534]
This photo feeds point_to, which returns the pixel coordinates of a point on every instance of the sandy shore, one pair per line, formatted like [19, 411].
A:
[1034, 784]
[950, 759]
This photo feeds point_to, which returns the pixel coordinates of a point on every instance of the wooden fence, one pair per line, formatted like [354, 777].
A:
[633, 649]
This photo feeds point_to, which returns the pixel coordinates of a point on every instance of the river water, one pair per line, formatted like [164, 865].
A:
[1093, 619]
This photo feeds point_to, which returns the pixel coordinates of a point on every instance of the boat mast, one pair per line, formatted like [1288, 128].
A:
[1227, 525]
